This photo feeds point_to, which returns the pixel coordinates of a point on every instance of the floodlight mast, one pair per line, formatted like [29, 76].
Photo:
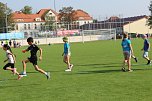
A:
[6, 17]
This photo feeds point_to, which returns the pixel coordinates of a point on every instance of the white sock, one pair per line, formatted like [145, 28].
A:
[45, 73]
[24, 72]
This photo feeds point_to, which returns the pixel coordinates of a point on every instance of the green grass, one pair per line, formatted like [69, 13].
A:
[96, 75]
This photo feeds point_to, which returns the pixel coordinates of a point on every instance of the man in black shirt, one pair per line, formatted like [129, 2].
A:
[33, 58]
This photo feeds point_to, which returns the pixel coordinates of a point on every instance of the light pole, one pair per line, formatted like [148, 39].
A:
[55, 18]
[54, 5]
[6, 17]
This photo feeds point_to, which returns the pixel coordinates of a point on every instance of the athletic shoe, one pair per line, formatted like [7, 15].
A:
[136, 59]
[48, 75]
[71, 65]
[149, 62]
[68, 70]
[123, 69]
[23, 74]
[130, 70]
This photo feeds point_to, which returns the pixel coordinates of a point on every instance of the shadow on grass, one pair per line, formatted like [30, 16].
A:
[98, 71]
[100, 65]
[33, 72]
[146, 67]
[5, 86]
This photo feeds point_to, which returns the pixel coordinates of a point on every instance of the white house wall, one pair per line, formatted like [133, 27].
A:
[32, 26]
[82, 22]
[139, 26]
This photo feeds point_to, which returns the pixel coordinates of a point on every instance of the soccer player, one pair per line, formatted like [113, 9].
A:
[11, 60]
[146, 49]
[127, 51]
[33, 58]
[67, 54]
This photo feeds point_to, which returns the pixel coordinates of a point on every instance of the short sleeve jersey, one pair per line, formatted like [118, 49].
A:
[66, 48]
[146, 45]
[9, 56]
[126, 45]
[33, 50]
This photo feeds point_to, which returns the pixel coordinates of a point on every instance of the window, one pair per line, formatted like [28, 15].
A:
[29, 27]
[41, 26]
[25, 26]
[16, 27]
[38, 19]
[77, 23]
[35, 26]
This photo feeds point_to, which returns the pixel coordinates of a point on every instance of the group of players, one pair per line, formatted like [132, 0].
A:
[126, 46]
[128, 51]
[33, 58]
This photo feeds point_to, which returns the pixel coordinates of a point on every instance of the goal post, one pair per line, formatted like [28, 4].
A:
[99, 34]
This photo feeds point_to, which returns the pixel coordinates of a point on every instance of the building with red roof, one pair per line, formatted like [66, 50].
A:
[34, 23]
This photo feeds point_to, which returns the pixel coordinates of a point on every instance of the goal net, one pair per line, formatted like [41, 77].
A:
[102, 34]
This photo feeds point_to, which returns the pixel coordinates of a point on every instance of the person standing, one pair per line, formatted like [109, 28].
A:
[146, 49]
[67, 54]
[127, 51]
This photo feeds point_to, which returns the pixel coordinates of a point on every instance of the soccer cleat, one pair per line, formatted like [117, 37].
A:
[48, 75]
[136, 59]
[23, 74]
[68, 70]
[149, 62]
[123, 69]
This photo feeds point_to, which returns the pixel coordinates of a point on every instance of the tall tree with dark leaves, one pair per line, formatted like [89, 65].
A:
[66, 16]
[6, 22]
[27, 10]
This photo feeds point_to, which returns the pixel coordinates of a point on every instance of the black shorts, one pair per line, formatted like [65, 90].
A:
[8, 65]
[33, 60]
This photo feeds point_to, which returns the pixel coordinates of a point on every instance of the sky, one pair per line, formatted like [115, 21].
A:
[98, 9]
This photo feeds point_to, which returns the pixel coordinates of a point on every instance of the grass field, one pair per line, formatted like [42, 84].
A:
[96, 75]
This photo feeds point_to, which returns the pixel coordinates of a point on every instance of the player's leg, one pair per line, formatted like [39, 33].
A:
[15, 71]
[129, 62]
[24, 66]
[65, 59]
[124, 61]
[136, 60]
[42, 71]
[7, 67]
[145, 55]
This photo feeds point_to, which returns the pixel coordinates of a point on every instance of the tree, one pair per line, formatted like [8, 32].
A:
[49, 21]
[66, 16]
[6, 22]
[150, 18]
[27, 10]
